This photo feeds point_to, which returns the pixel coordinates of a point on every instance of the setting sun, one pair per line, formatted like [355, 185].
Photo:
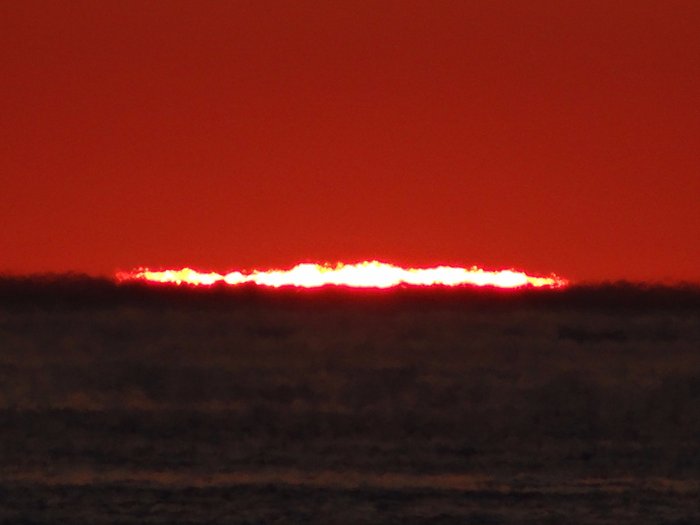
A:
[367, 274]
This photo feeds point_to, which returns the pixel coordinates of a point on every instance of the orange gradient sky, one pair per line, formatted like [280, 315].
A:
[551, 136]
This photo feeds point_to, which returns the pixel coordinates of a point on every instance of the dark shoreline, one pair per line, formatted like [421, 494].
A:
[81, 291]
[130, 404]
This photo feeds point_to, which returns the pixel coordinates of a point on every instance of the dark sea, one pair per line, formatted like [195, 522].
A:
[137, 405]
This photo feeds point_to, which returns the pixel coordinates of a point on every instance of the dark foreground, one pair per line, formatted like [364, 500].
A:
[141, 406]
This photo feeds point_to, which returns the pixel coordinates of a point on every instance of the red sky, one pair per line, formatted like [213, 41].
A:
[549, 135]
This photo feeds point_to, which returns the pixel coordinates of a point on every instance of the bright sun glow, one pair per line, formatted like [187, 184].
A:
[368, 274]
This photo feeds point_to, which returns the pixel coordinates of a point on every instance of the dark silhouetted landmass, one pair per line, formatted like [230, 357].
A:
[77, 290]
[137, 404]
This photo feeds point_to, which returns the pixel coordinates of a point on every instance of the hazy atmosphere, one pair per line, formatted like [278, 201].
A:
[548, 136]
